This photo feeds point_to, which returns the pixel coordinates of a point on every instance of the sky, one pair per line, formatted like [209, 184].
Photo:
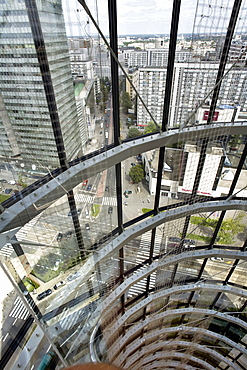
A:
[134, 16]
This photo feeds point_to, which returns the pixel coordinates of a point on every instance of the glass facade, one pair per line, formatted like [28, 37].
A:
[131, 249]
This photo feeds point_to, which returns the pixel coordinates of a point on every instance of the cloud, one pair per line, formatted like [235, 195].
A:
[135, 17]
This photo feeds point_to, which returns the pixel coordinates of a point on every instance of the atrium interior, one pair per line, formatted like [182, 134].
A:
[119, 247]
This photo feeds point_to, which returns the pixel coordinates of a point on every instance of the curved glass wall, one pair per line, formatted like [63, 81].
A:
[123, 179]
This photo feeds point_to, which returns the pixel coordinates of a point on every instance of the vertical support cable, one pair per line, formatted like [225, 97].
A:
[40, 47]
[167, 98]
[221, 69]
[112, 10]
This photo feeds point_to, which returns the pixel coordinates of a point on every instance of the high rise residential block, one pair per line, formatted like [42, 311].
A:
[192, 87]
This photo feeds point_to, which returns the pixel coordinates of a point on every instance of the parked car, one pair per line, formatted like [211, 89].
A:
[11, 182]
[110, 209]
[78, 212]
[107, 188]
[85, 182]
[44, 294]
[87, 213]
[3, 181]
[89, 187]
[59, 237]
[87, 226]
[74, 276]
[133, 164]
[60, 283]
[7, 191]
[68, 234]
[187, 242]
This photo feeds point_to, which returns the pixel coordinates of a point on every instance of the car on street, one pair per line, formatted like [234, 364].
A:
[133, 164]
[60, 283]
[87, 227]
[89, 187]
[110, 209]
[87, 213]
[11, 182]
[3, 181]
[78, 212]
[59, 237]
[174, 239]
[44, 294]
[187, 243]
[85, 182]
[74, 276]
[107, 188]
[126, 192]
[68, 234]
[8, 191]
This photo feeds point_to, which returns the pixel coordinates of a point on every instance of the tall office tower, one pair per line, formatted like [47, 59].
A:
[36, 82]
[125, 256]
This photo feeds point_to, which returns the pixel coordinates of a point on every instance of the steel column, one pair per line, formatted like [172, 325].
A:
[112, 10]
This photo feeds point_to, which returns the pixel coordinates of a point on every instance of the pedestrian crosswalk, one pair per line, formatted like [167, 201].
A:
[109, 201]
[84, 198]
[7, 250]
[67, 322]
[22, 233]
[141, 256]
[19, 311]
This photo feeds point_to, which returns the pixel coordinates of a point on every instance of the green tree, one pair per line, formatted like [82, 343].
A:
[234, 141]
[126, 102]
[22, 182]
[133, 132]
[136, 173]
[151, 127]
[229, 228]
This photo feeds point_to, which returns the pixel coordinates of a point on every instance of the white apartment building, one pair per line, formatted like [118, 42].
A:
[152, 57]
[191, 84]
[151, 87]
[135, 58]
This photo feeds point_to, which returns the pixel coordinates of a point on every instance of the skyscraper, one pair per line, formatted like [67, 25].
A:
[36, 85]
